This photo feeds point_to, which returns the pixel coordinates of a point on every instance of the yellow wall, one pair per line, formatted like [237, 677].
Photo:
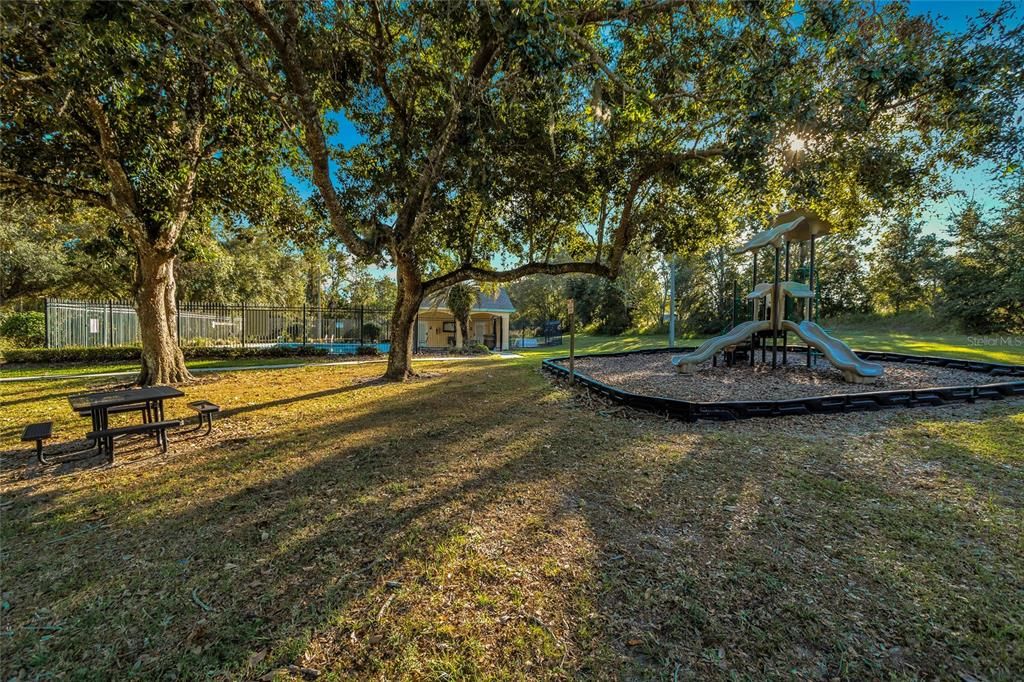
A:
[437, 338]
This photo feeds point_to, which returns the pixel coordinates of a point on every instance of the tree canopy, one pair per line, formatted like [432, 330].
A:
[131, 111]
[505, 140]
[500, 140]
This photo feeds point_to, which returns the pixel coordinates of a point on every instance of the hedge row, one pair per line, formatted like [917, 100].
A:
[131, 353]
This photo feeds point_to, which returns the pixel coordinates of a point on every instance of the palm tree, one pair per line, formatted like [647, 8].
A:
[460, 299]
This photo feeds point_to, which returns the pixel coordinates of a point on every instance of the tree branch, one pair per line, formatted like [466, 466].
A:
[479, 274]
[315, 142]
[110, 158]
[37, 186]
[382, 39]
[414, 208]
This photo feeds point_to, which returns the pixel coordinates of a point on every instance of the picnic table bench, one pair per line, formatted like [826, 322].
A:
[100, 405]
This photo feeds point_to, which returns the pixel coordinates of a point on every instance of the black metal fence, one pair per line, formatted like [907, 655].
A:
[548, 334]
[115, 323]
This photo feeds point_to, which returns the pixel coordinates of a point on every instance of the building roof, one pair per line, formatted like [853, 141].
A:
[485, 303]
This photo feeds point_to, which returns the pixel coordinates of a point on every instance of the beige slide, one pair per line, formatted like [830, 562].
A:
[836, 352]
[688, 362]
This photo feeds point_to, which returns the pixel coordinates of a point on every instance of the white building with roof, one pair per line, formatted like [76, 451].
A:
[436, 327]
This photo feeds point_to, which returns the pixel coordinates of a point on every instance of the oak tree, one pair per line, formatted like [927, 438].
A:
[134, 111]
[500, 141]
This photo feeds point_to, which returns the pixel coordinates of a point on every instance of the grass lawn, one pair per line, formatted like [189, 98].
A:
[481, 522]
[997, 348]
[31, 369]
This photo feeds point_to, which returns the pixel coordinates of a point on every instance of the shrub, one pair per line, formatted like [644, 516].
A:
[25, 329]
[367, 350]
[132, 353]
[478, 348]
[371, 332]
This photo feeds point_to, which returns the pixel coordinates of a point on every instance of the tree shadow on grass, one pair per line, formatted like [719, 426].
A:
[470, 525]
[803, 556]
[255, 544]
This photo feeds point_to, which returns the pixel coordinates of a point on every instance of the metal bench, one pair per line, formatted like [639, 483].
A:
[206, 410]
[157, 428]
[38, 432]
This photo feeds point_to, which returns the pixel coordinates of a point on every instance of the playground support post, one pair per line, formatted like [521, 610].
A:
[812, 284]
[735, 303]
[775, 311]
[754, 307]
[785, 334]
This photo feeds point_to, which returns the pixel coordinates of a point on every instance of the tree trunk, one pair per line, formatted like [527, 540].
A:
[403, 322]
[464, 326]
[155, 288]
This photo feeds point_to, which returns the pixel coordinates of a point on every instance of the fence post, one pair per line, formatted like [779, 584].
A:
[46, 321]
[362, 311]
[110, 322]
[303, 324]
[243, 323]
[177, 322]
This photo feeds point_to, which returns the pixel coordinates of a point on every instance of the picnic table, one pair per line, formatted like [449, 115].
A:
[149, 401]
[100, 405]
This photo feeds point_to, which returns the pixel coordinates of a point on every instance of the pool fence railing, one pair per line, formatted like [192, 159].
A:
[116, 323]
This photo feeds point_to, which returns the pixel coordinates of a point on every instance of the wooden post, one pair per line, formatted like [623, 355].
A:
[572, 341]
[735, 301]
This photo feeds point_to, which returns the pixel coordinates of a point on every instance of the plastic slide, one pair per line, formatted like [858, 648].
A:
[738, 334]
[836, 352]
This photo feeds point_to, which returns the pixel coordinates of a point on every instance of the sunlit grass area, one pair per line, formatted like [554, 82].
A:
[29, 369]
[481, 522]
[1004, 348]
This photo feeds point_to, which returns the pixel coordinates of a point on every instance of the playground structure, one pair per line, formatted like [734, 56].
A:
[770, 301]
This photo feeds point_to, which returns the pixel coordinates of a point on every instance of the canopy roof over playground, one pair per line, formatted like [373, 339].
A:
[791, 226]
[794, 289]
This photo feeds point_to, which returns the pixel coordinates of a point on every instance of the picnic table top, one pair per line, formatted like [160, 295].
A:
[101, 399]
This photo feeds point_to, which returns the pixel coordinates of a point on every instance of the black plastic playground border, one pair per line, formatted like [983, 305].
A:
[825, 404]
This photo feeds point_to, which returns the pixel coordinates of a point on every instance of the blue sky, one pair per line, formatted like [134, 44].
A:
[975, 183]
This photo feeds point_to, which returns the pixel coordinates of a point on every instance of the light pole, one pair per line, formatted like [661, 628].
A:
[672, 302]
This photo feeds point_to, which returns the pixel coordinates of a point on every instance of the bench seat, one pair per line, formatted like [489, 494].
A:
[38, 433]
[206, 410]
[159, 427]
